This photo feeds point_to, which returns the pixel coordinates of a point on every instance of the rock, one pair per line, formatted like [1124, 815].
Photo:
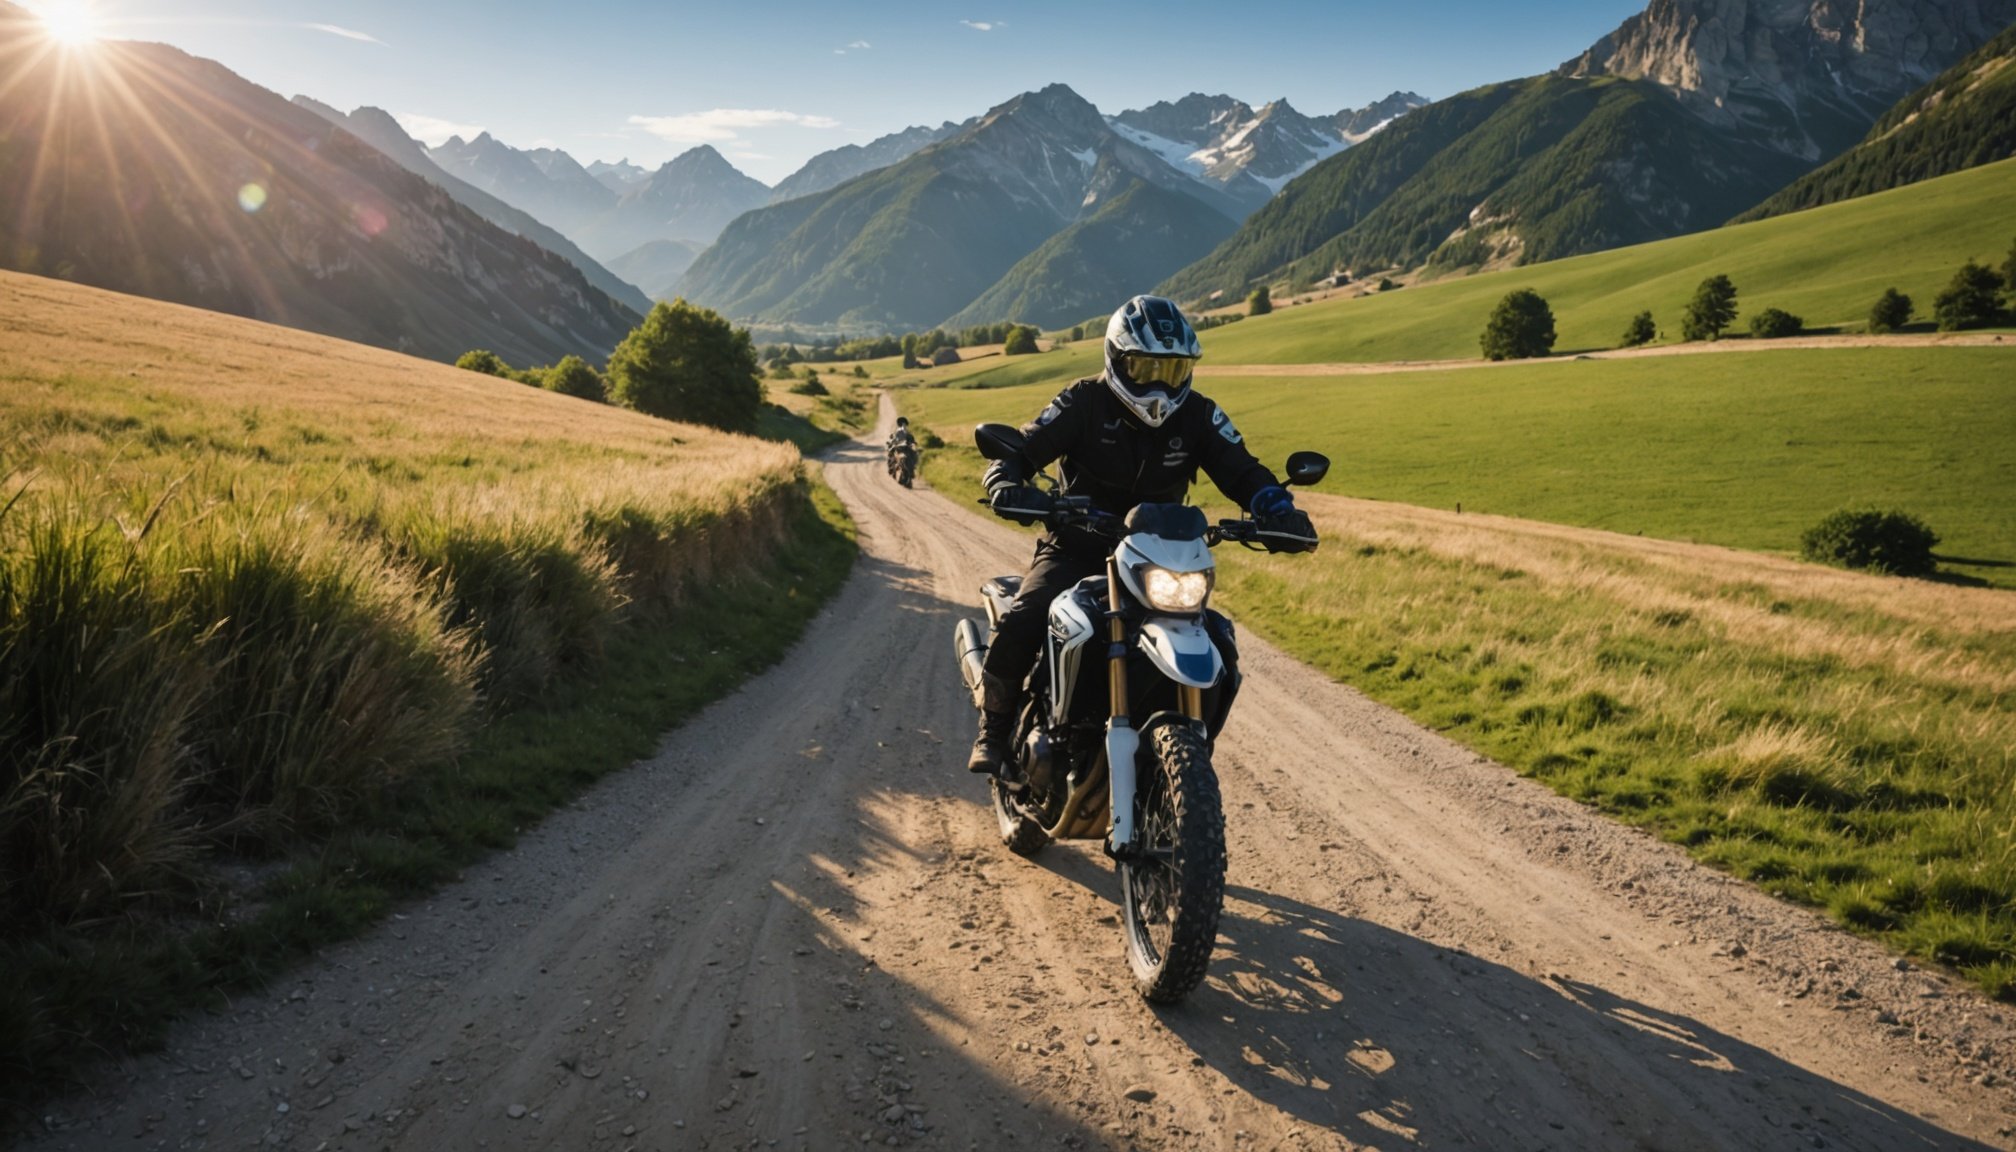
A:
[885, 1024]
[515, 1112]
[1886, 1017]
[352, 1124]
[1091, 1038]
[1139, 1093]
[895, 1114]
[1902, 965]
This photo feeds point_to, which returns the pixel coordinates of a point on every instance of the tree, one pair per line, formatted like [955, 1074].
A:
[1641, 331]
[1261, 302]
[1520, 328]
[1711, 311]
[573, 376]
[687, 363]
[1021, 342]
[1881, 540]
[1775, 324]
[2009, 273]
[1973, 299]
[484, 361]
[1891, 312]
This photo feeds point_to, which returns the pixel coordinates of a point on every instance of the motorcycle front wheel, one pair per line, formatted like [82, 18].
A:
[1172, 890]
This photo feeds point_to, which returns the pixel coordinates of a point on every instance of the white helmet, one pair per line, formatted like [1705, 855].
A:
[1150, 352]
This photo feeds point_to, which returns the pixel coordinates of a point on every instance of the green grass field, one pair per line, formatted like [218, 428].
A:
[1827, 266]
[1740, 450]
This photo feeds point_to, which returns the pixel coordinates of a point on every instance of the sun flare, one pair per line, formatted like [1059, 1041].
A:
[71, 23]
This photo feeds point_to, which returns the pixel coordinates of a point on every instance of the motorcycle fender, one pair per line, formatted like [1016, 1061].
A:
[1122, 744]
[1182, 650]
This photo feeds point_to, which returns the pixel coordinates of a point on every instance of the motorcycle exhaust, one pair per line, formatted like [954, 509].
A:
[971, 649]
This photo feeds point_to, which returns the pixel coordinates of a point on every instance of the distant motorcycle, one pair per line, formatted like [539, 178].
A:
[1116, 740]
[903, 462]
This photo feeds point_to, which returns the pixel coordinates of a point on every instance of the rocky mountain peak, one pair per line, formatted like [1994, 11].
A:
[1831, 63]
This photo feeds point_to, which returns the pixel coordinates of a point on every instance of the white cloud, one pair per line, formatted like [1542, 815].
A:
[984, 25]
[345, 33]
[434, 131]
[718, 125]
[856, 46]
[750, 155]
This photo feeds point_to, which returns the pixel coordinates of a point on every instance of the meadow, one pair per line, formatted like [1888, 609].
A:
[1839, 738]
[339, 616]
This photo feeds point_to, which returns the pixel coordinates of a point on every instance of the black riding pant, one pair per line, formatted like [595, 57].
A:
[1018, 638]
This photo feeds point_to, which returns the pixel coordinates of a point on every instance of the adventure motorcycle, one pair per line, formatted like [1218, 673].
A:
[1120, 746]
[903, 463]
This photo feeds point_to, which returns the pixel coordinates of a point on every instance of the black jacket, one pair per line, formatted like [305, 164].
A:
[1110, 456]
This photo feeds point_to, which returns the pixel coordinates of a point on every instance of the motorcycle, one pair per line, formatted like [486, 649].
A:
[903, 463]
[1120, 747]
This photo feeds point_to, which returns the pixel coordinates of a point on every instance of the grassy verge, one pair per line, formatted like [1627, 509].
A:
[71, 994]
[1841, 740]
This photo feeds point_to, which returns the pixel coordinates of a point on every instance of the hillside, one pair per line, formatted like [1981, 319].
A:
[139, 168]
[1827, 265]
[377, 128]
[1101, 261]
[1687, 115]
[267, 595]
[657, 265]
[1963, 119]
[690, 198]
[836, 166]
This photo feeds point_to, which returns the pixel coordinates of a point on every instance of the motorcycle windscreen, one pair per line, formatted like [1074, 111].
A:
[1183, 651]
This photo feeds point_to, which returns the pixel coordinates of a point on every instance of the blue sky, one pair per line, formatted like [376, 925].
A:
[771, 82]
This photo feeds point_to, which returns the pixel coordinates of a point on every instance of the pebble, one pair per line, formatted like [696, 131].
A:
[894, 1114]
[1139, 1093]
[885, 1024]
[1091, 1038]
[515, 1112]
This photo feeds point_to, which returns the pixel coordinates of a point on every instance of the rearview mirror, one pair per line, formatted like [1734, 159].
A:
[1307, 468]
[998, 441]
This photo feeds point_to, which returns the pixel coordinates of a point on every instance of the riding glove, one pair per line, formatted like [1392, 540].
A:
[1022, 504]
[1271, 501]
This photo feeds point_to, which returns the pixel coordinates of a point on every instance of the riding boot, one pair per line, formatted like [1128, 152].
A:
[993, 751]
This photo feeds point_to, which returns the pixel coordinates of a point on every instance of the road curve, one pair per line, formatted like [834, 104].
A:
[794, 928]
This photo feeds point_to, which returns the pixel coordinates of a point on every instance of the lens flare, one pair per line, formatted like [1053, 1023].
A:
[251, 197]
[71, 23]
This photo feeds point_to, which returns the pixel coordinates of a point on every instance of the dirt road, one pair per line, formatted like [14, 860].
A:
[794, 928]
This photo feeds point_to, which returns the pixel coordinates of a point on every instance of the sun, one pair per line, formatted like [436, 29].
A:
[71, 23]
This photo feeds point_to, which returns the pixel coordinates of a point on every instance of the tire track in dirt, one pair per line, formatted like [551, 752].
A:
[794, 927]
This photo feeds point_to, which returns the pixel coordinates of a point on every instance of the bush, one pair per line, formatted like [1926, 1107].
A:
[1641, 331]
[1896, 543]
[484, 361]
[1972, 299]
[1891, 312]
[573, 376]
[1520, 328]
[860, 373]
[1775, 324]
[810, 387]
[1020, 342]
[1387, 285]
[687, 363]
[1711, 311]
[1260, 302]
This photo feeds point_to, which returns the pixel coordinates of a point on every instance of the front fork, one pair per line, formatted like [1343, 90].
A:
[1123, 742]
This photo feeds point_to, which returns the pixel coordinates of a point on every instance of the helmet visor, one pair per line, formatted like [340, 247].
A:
[1144, 371]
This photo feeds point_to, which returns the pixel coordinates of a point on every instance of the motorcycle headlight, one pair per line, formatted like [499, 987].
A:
[1168, 591]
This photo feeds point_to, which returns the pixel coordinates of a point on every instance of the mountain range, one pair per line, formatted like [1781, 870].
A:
[1689, 114]
[1040, 211]
[149, 171]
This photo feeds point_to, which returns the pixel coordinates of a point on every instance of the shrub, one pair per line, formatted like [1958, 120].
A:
[1387, 285]
[573, 376]
[1641, 331]
[1775, 324]
[1972, 299]
[810, 387]
[1520, 328]
[1891, 312]
[1896, 543]
[1021, 342]
[484, 361]
[1260, 302]
[688, 363]
[860, 373]
[1711, 311]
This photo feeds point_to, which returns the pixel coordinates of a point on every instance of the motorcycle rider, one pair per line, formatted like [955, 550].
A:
[1135, 434]
[899, 441]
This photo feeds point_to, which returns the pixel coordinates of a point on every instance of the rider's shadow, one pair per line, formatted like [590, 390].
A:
[1392, 1041]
